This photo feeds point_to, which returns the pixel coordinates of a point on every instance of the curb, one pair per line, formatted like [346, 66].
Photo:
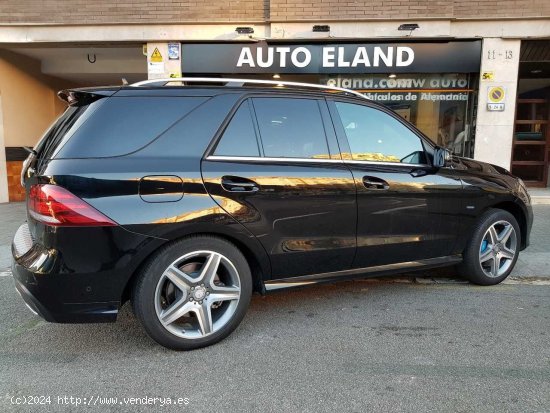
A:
[540, 200]
[527, 280]
[446, 280]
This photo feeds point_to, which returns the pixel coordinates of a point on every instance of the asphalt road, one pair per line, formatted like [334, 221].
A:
[353, 346]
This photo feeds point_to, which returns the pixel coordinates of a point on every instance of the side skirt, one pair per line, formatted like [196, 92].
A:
[387, 269]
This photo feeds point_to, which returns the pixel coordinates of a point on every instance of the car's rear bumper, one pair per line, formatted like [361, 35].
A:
[80, 281]
[51, 309]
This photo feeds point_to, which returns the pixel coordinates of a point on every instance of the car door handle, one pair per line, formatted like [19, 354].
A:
[238, 184]
[372, 182]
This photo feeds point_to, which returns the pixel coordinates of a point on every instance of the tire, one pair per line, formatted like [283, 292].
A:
[491, 255]
[179, 285]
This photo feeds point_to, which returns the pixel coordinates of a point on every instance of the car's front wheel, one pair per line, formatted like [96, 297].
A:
[493, 248]
[193, 293]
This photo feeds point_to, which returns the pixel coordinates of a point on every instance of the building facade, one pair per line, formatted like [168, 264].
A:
[474, 76]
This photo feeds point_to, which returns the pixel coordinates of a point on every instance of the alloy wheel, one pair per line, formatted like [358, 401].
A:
[498, 249]
[197, 294]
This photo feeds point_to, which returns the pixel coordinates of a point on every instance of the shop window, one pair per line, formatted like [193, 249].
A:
[374, 135]
[239, 138]
[291, 128]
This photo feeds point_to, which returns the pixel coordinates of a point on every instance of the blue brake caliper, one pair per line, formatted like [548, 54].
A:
[484, 245]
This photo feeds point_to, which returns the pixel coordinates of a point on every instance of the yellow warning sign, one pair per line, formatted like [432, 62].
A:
[156, 57]
[496, 94]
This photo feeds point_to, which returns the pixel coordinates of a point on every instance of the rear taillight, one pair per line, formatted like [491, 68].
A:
[54, 205]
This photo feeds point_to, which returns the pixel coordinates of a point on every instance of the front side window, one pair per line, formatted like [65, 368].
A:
[291, 128]
[374, 135]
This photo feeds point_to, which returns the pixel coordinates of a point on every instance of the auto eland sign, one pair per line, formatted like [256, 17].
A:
[262, 57]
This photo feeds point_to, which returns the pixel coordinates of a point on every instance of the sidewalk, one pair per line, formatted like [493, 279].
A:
[11, 216]
[534, 262]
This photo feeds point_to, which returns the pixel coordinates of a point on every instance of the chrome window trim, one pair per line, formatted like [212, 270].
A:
[417, 165]
[267, 159]
[308, 160]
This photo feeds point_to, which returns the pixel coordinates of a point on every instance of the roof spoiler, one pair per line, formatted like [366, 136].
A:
[81, 97]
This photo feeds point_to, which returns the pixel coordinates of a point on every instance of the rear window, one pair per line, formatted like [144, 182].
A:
[55, 133]
[119, 125]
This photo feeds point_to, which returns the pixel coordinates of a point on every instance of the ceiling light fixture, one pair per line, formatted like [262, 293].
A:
[276, 76]
[408, 27]
[245, 30]
[321, 28]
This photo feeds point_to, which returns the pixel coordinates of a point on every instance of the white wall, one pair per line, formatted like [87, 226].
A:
[517, 28]
[170, 68]
[495, 130]
[3, 168]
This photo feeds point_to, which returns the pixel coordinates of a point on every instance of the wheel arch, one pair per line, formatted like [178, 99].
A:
[259, 270]
[520, 216]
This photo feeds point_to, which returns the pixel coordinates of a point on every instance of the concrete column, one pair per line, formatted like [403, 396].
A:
[159, 64]
[4, 196]
[495, 130]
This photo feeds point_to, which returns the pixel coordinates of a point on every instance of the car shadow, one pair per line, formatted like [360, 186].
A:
[274, 312]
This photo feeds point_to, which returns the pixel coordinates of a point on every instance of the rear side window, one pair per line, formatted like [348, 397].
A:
[121, 125]
[291, 128]
[239, 138]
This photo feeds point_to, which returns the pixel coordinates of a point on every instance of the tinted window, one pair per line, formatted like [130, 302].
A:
[122, 125]
[239, 138]
[53, 137]
[376, 136]
[291, 128]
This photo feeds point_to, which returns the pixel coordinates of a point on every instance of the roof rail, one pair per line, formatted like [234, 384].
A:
[233, 82]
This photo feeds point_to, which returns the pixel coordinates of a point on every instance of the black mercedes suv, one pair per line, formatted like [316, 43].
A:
[186, 198]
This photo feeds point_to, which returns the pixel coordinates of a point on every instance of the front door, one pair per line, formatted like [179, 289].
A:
[407, 209]
[272, 170]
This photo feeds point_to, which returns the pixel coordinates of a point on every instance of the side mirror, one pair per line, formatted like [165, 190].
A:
[442, 157]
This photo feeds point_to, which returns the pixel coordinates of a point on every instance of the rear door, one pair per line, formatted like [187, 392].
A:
[407, 209]
[276, 168]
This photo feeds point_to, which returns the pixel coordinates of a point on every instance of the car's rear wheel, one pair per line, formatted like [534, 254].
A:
[493, 248]
[193, 293]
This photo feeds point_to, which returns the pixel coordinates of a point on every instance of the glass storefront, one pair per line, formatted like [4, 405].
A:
[431, 84]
